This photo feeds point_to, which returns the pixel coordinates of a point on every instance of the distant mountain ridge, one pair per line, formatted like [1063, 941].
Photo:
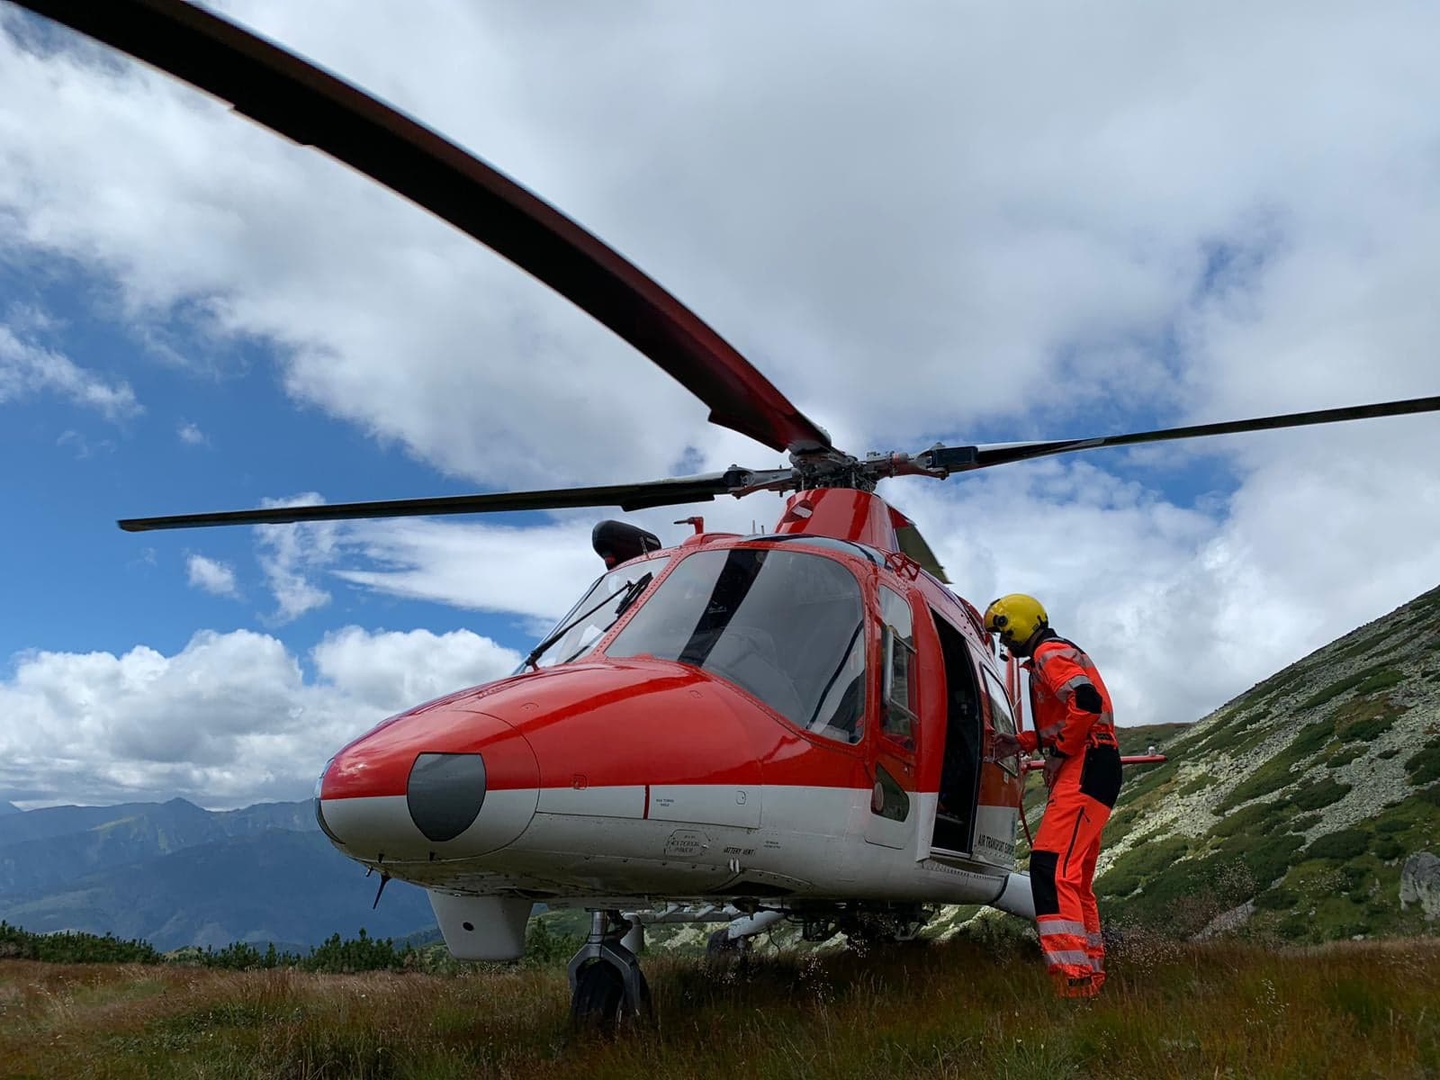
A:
[176, 875]
[9, 808]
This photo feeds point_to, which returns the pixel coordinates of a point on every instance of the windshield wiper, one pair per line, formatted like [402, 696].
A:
[633, 589]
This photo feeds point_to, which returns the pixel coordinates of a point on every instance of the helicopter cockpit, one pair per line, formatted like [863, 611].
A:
[785, 626]
[597, 611]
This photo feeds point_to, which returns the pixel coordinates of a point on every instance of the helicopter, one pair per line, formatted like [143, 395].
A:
[792, 724]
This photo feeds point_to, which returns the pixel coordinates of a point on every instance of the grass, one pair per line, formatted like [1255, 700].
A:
[1366, 681]
[957, 1009]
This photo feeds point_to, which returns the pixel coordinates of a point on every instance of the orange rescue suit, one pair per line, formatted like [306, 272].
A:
[1073, 721]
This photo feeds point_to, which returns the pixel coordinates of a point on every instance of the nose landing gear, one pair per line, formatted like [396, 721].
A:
[608, 991]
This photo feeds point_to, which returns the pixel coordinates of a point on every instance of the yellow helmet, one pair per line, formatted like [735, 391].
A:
[1015, 618]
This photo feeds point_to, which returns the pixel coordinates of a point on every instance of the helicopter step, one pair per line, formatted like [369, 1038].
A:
[608, 990]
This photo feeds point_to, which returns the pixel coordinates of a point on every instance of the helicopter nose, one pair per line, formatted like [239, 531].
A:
[445, 793]
[430, 786]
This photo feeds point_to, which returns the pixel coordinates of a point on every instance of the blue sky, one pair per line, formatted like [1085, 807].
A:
[195, 439]
[971, 225]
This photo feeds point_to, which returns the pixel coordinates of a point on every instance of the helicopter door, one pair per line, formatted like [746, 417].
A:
[893, 812]
[960, 767]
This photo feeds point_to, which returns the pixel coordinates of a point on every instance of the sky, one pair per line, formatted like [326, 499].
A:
[960, 222]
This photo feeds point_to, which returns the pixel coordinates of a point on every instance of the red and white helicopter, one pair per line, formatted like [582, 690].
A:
[793, 724]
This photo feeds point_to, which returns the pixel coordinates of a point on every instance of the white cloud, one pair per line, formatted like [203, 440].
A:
[391, 671]
[27, 369]
[211, 575]
[535, 572]
[290, 554]
[191, 435]
[227, 720]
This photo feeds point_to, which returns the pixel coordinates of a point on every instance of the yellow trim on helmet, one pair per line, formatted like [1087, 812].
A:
[1015, 617]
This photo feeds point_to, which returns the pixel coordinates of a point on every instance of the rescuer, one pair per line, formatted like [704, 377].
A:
[1075, 725]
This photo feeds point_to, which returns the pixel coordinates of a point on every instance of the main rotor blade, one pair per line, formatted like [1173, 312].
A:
[685, 489]
[314, 108]
[966, 458]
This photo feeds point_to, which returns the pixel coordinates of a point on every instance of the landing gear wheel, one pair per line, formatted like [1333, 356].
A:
[608, 991]
[598, 1003]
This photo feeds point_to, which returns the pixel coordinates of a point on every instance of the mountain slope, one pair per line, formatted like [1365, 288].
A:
[1293, 811]
[177, 875]
[291, 888]
[46, 848]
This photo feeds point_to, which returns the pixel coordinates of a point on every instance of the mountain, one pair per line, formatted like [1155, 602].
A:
[9, 808]
[175, 875]
[46, 848]
[1305, 810]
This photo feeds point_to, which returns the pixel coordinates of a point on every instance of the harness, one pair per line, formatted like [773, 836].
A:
[1101, 732]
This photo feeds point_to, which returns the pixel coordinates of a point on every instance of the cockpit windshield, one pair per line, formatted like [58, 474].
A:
[598, 610]
[787, 626]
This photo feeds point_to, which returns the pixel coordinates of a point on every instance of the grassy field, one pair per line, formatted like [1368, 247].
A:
[955, 1009]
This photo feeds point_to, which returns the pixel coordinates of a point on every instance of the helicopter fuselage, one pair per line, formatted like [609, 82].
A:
[782, 719]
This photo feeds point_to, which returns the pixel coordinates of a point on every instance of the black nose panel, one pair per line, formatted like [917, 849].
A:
[444, 793]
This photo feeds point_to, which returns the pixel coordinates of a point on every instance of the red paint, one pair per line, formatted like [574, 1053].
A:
[639, 722]
[843, 514]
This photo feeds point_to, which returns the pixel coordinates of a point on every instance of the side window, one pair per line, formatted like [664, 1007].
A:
[899, 707]
[1002, 719]
[1001, 716]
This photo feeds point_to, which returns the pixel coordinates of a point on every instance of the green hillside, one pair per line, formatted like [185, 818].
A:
[1293, 812]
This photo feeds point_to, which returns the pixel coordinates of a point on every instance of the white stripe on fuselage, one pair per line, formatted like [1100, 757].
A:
[791, 840]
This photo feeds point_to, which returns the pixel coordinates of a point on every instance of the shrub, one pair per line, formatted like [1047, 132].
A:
[1264, 857]
[1303, 823]
[1259, 817]
[545, 947]
[1199, 783]
[242, 956]
[1351, 682]
[1345, 844]
[364, 953]
[1185, 898]
[1387, 847]
[1277, 899]
[1343, 757]
[1366, 729]
[1424, 766]
[1275, 773]
[73, 947]
[1380, 681]
[1319, 794]
[1140, 863]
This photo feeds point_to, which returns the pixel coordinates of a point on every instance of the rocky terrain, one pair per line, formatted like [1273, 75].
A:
[1307, 809]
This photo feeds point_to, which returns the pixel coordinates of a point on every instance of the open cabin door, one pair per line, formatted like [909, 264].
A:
[960, 770]
[894, 811]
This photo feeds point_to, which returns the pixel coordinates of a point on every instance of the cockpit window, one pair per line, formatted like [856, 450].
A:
[599, 609]
[787, 626]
